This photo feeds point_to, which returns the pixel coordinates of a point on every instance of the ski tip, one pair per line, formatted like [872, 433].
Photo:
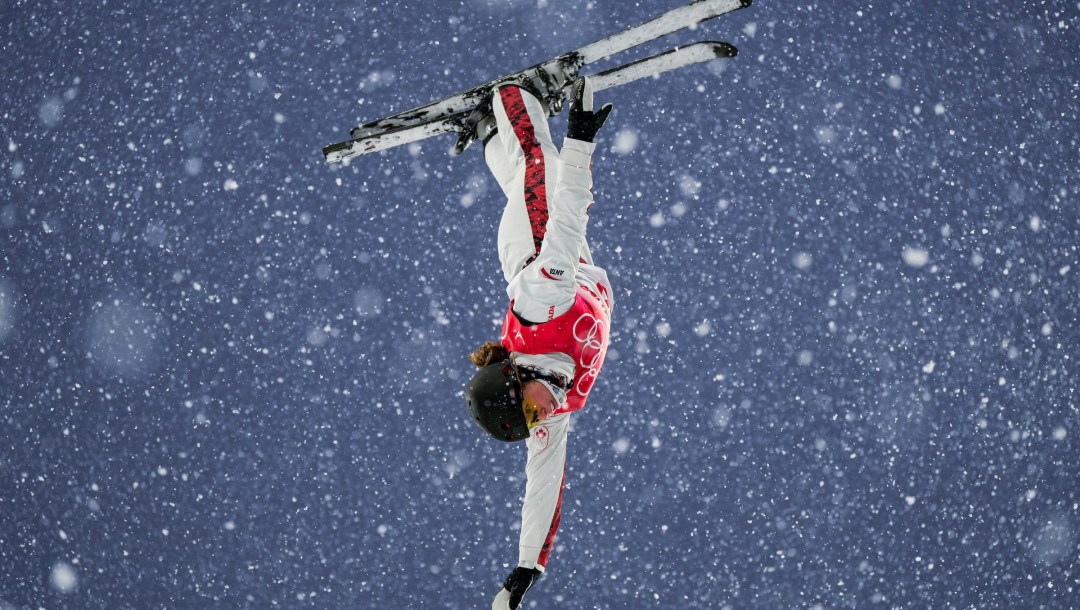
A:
[746, 3]
[725, 49]
[460, 146]
[333, 153]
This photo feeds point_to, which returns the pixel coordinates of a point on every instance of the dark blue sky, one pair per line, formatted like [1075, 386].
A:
[844, 347]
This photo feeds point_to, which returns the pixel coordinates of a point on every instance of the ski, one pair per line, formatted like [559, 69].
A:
[651, 66]
[655, 65]
[563, 68]
[679, 18]
[676, 19]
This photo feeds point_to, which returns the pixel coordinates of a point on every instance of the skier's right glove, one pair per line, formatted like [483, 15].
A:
[517, 583]
[584, 123]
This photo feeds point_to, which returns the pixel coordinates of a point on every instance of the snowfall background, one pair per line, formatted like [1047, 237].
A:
[844, 351]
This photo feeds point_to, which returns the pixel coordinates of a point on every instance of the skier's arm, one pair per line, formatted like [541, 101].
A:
[541, 512]
[542, 509]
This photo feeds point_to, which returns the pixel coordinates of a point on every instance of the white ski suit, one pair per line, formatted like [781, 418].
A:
[560, 312]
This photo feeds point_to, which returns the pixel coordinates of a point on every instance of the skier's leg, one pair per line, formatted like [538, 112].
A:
[504, 161]
[505, 154]
[524, 161]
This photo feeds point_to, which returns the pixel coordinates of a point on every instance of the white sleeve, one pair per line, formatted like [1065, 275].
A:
[544, 470]
[547, 287]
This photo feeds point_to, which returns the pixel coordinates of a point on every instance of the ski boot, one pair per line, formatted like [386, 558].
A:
[548, 85]
[545, 84]
[477, 125]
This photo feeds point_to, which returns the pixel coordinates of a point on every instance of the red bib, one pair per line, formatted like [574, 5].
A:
[581, 333]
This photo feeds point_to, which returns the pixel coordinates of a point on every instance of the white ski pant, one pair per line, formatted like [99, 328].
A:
[525, 163]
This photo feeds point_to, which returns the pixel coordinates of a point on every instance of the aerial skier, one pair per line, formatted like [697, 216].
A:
[556, 330]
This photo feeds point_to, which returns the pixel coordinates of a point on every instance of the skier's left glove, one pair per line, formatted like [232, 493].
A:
[584, 123]
[517, 583]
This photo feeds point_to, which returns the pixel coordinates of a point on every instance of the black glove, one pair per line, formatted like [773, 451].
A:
[584, 123]
[517, 583]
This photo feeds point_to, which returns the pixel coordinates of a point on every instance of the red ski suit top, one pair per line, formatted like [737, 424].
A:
[581, 333]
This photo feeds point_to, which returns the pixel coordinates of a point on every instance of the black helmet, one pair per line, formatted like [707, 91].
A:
[494, 401]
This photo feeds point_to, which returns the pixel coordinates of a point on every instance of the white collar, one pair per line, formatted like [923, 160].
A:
[557, 392]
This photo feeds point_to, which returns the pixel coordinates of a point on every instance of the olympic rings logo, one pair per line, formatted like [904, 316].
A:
[590, 333]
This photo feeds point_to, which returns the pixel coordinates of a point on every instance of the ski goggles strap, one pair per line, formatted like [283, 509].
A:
[527, 373]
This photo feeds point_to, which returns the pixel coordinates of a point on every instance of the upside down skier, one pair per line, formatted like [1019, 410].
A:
[556, 330]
